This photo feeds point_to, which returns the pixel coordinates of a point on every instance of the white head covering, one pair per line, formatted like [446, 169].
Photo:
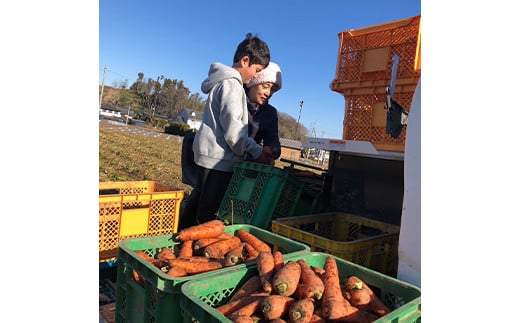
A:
[271, 73]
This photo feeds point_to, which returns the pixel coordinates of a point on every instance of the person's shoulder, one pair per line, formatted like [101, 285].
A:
[268, 108]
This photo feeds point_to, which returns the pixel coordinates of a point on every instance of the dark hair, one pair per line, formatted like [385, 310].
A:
[255, 48]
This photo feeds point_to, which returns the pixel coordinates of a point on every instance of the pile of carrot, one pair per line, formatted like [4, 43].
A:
[203, 248]
[295, 292]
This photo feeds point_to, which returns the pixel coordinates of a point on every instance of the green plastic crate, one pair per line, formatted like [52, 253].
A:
[364, 241]
[200, 297]
[259, 193]
[158, 301]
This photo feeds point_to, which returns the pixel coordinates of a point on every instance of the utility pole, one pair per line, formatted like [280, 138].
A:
[102, 86]
[298, 122]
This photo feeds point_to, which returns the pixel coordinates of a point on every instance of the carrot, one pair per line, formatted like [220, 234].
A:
[265, 267]
[250, 308]
[332, 302]
[156, 262]
[210, 229]
[363, 317]
[278, 260]
[278, 320]
[319, 271]
[285, 280]
[316, 318]
[242, 319]
[220, 248]
[176, 271]
[252, 253]
[310, 284]
[361, 294]
[143, 255]
[251, 285]
[195, 266]
[203, 243]
[186, 249]
[255, 242]
[234, 256]
[228, 308]
[165, 254]
[275, 306]
[138, 279]
[301, 311]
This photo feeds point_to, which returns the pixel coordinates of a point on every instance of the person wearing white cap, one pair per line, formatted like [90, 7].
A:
[263, 117]
[222, 138]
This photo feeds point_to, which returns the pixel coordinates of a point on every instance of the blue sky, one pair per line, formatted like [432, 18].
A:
[180, 39]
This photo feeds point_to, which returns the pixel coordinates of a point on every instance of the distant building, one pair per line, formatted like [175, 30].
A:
[291, 149]
[115, 112]
[190, 117]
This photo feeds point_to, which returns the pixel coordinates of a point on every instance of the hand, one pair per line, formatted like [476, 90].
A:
[264, 158]
[269, 151]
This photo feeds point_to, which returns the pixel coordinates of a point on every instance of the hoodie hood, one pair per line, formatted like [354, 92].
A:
[218, 72]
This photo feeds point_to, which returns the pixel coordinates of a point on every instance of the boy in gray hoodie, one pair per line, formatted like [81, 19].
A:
[222, 138]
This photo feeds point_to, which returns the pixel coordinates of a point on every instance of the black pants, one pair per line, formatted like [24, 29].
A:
[205, 198]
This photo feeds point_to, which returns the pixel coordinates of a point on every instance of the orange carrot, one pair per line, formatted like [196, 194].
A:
[176, 271]
[156, 262]
[143, 255]
[186, 249]
[316, 318]
[265, 267]
[278, 320]
[138, 279]
[301, 311]
[228, 308]
[251, 285]
[255, 242]
[210, 229]
[234, 256]
[319, 271]
[332, 302]
[203, 243]
[165, 254]
[278, 260]
[310, 284]
[360, 293]
[285, 281]
[252, 253]
[220, 248]
[242, 319]
[275, 306]
[193, 266]
[248, 309]
[363, 317]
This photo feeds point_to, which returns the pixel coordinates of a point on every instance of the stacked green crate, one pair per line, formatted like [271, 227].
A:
[259, 193]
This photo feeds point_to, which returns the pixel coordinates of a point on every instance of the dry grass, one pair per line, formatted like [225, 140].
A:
[127, 156]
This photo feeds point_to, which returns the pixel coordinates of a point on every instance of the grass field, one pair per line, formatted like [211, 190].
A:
[132, 156]
[130, 153]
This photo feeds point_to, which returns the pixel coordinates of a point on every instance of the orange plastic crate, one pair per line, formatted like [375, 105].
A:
[363, 73]
[135, 209]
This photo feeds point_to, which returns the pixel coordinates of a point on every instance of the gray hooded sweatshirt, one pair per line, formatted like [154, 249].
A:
[222, 138]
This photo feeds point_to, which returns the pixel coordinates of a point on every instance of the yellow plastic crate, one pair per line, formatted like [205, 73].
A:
[133, 210]
[357, 239]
